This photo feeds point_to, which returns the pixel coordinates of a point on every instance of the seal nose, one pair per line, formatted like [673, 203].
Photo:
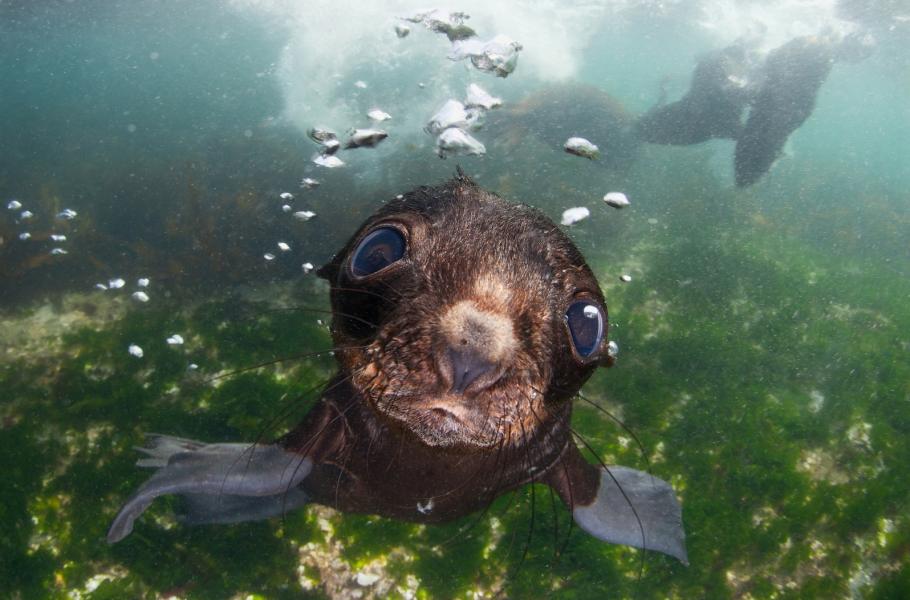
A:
[474, 348]
[466, 366]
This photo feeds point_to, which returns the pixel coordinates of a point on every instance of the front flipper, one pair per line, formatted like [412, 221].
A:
[636, 509]
[621, 505]
[221, 482]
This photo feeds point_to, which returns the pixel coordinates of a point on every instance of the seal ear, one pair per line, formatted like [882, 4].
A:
[620, 505]
[329, 271]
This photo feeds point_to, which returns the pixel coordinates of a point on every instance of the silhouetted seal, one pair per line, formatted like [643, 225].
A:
[720, 91]
[464, 325]
[559, 111]
[792, 76]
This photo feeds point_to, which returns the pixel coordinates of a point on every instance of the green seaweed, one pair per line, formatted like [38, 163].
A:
[764, 375]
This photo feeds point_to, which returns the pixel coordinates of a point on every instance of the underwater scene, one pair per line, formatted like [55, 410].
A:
[183, 188]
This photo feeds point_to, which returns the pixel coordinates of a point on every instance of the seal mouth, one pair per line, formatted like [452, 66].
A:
[442, 420]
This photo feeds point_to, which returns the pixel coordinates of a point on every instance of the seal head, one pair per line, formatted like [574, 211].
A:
[458, 332]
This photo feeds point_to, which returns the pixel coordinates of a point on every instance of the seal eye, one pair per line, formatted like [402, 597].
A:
[377, 251]
[585, 321]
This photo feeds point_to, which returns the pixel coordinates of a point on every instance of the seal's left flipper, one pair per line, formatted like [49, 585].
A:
[222, 482]
[636, 509]
[621, 505]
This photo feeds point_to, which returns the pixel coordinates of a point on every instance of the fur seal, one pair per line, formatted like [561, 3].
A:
[559, 111]
[713, 106]
[792, 76]
[463, 327]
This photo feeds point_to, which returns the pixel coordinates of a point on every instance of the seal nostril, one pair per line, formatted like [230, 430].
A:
[466, 367]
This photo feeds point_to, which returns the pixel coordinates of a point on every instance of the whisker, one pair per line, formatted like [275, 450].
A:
[325, 311]
[304, 450]
[558, 551]
[276, 361]
[479, 517]
[335, 288]
[641, 526]
[555, 523]
[528, 464]
[625, 428]
[565, 470]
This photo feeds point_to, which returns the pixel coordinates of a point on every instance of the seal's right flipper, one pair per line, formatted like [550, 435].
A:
[203, 509]
[223, 482]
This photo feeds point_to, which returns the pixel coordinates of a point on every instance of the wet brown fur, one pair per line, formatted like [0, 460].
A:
[389, 434]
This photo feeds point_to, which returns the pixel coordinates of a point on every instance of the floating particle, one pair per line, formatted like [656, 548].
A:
[66, 214]
[26, 215]
[58, 251]
[286, 196]
[140, 296]
[13, 205]
[131, 128]
[625, 278]
[116, 284]
[366, 579]
[328, 161]
[304, 215]
[455, 141]
[365, 138]
[479, 97]
[283, 246]
[652, 221]
[135, 351]
[307, 267]
[192, 367]
[360, 84]
[818, 401]
[143, 282]
[154, 55]
[268, 256]
[616, 200]
[451, 114]
[331, 147]
[421, 84]
[175, 340]
[579, 146]
[441, 21]
[100, 286]
[25, 236]
[426, 507]
[570, 216]
[308, 183]
[321, 135]
[379, 115]
[402, 31]
[286, 208]
[399, 196]
[58, 237]
[499, 56]
[612, 349]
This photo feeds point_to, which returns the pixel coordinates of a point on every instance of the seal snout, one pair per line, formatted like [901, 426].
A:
[475, 350]
[466, 367]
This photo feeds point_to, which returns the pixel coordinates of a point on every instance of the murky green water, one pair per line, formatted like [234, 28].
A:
[764, 334]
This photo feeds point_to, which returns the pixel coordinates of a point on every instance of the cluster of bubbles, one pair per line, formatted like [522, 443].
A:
[24, 218]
